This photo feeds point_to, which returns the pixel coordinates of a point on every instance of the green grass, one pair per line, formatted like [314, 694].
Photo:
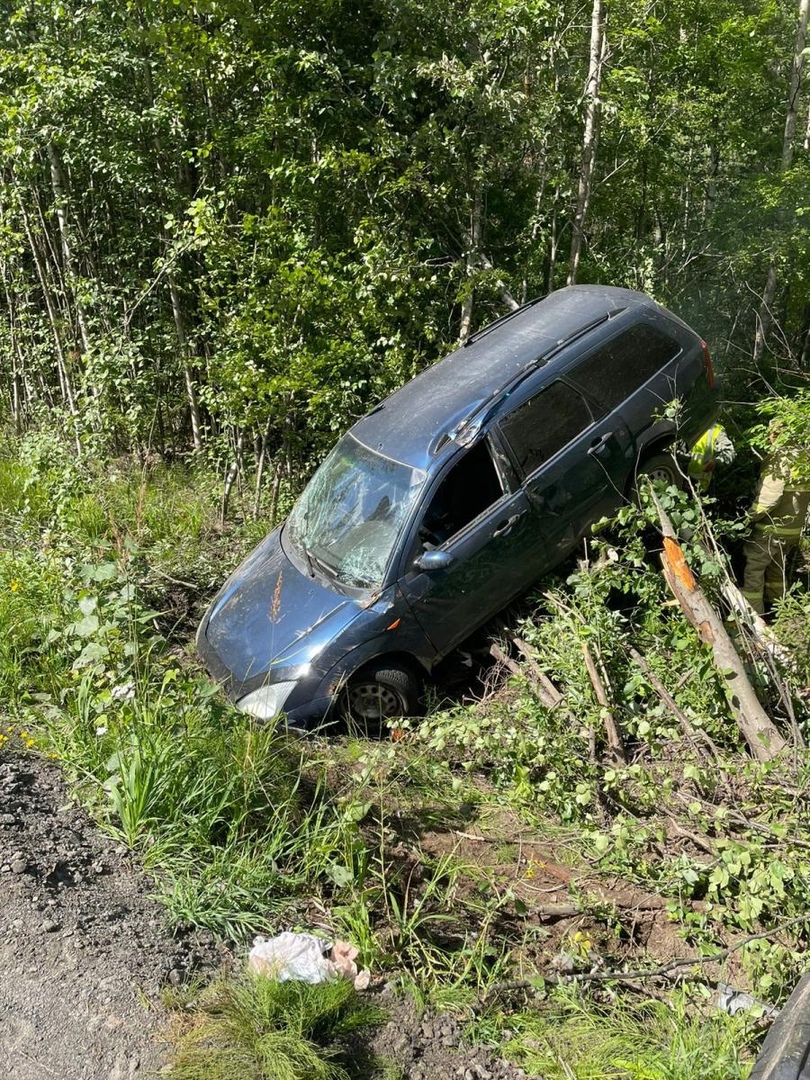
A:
[255, 1028]
[573, 1036]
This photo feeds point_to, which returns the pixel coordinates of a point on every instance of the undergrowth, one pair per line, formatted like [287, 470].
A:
[255, 1028]
[246, 829]
[647, 1039]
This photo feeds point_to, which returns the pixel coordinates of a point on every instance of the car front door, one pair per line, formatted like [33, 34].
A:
[481, 539]
[574, 463]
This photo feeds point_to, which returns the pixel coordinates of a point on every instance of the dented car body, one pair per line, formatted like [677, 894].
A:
[450, 498]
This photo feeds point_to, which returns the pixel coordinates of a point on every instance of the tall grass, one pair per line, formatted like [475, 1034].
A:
[575, 1037]
[255, 1028]
[234, 819]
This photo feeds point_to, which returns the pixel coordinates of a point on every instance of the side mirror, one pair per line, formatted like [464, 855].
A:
[434, 560]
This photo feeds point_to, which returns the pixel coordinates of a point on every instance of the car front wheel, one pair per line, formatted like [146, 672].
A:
[376, 695]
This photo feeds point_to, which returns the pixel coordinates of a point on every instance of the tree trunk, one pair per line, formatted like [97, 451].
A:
[590, 138]
[60, 197]
[765, 316]
[762, 736]
[261, 459]
[188, 377]
[63, 373]
[230, 478]
[473, 245]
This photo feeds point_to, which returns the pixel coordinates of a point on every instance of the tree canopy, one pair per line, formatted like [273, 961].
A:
[227, 225]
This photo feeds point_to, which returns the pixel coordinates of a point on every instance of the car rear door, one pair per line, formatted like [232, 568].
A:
[574, 463]
[638, 372]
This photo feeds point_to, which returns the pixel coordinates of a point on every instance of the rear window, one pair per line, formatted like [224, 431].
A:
[542, 426]
[619, 368]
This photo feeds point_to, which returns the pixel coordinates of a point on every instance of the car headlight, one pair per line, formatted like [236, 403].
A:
[266, 702]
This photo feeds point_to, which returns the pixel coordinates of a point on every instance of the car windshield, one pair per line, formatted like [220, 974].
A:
[351, 513]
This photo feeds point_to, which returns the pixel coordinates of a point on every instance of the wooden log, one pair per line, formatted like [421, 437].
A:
[530, 674]
[611, 727]
[761, 734]
[550, 690]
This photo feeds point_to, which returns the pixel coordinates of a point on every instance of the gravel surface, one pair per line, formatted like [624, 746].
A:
[83, 950]
[84, 953]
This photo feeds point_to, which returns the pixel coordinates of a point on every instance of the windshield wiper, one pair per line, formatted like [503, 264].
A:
[330, 571]
[308, 558]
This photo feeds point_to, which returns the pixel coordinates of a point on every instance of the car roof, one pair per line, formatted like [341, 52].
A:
[416, 421]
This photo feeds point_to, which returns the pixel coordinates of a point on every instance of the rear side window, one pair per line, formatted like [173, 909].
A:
[618, 369]
[546, 423]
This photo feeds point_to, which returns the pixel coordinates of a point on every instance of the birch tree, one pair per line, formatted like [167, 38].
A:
[765, 316]
[590, 138]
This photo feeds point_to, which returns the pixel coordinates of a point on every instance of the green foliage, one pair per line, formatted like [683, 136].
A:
[786, 436]
[575, 1037]
[260, 1029]
[223, 811]
[233, 230]
[548, 756]
[233, 819]
[747, 869]
[434, 920]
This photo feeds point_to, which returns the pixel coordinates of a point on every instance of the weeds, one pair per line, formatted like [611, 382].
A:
[258, 1029]
[246, 829]
[577, 1038]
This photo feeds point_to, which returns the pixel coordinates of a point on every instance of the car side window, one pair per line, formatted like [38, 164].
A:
[544, 424]
[469, 488]
[619, 368]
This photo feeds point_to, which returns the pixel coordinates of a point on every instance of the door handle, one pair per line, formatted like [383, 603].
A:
[599, 444]
[505, 527]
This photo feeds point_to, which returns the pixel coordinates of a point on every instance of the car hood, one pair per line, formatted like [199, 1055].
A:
[268, 614]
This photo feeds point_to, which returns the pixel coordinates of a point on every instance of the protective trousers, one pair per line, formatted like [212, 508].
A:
[766, 557]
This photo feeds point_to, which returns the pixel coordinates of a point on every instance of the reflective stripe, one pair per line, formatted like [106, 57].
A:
[703, 451]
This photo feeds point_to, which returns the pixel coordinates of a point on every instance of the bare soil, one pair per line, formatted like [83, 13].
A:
[85, 952]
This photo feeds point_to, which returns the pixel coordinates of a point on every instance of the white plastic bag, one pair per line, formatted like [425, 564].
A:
[293, 956]
[305, 958]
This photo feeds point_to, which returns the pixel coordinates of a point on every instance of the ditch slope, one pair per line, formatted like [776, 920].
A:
[84, 953]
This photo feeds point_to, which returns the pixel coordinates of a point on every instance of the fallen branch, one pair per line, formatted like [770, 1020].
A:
[665, 971]
[760, 733]
[530, 655]
[497, 652]
[696, 838]
[625, 900]
[687, 728]
[529, 673]
[611, 727]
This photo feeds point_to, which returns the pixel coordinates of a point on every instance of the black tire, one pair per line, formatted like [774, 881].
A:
[377, 694]
[785, 1054]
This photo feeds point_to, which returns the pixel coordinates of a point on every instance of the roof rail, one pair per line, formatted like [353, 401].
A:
[483, 409]
[499, 322]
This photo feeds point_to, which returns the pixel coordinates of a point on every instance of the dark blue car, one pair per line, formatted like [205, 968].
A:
[450, 498]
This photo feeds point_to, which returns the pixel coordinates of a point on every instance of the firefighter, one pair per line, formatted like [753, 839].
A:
[713, 447]
[778, 516]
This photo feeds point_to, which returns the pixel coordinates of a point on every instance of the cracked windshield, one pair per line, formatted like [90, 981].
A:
[347, 521]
